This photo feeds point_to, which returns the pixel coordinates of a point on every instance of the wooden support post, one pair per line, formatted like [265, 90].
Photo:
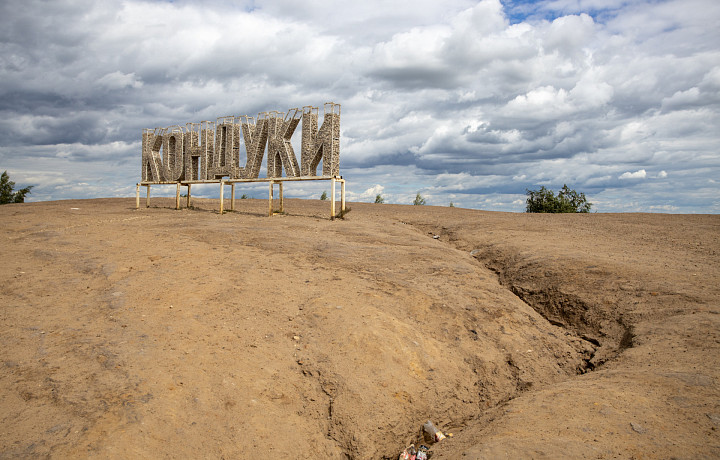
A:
[232, 182]
[332, 199]
[282, 203]
[222, 197]
[342, 195]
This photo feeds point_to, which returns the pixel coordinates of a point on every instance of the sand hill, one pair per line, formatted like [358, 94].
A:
[157, 333]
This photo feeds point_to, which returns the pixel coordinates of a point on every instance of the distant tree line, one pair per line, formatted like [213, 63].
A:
[545, 200]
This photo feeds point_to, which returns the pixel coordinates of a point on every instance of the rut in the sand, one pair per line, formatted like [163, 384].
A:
[538, 287]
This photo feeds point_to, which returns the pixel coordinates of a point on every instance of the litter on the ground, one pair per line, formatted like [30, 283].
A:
[422, 453]
[409, 453]
[431, 433]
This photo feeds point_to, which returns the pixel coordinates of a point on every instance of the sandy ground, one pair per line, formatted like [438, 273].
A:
[158, 333]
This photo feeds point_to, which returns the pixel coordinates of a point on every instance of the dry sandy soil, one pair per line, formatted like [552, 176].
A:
[157, 333]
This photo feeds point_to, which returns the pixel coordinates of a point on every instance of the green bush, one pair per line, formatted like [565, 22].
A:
[379, 199]
[544, 200]
[7, 193]
[323, 196]
[419, 200]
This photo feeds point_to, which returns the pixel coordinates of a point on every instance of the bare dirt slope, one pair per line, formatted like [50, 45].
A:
[161, 333]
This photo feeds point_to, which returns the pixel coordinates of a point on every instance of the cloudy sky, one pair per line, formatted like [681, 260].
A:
[465, 101]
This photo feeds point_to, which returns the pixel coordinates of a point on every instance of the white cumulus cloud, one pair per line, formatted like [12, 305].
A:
[473, 101]
[640, 174]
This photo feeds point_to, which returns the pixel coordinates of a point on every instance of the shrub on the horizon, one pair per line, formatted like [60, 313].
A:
[419, 200]
[379, 199]
[544, 200]
[7, 192]
[323, 196]
[244, 197]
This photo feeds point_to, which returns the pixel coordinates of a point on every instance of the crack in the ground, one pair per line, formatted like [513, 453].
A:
[539, 288]
[530, 285]
[556, 307]
[561, 311]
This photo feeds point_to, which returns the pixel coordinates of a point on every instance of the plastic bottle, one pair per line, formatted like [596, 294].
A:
[431, 433]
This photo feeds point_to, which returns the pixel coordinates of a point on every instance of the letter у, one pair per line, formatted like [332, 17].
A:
[280, 150]
[323, 144]
[255, 136]
[152, 167]
[227, 147]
